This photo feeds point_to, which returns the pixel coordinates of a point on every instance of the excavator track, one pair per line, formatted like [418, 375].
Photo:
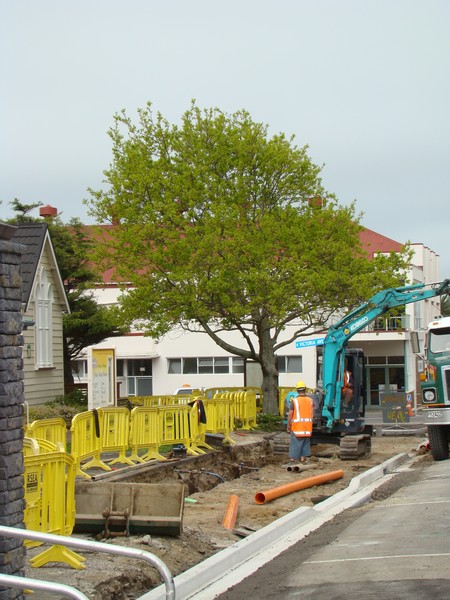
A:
[353, 447]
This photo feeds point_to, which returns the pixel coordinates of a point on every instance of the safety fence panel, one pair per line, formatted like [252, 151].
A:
[175, 426]
[282, 393]
[145, 433]
[32, 446]
[52, 430]
[147, 401]
[179, 399]
[210, 393]
[50, 503]
[86, 442]
[150, 401]
[197, 423]
[220, 416]
[115, 433]
[245, 408]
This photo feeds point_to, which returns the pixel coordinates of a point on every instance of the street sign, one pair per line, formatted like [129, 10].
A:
[308, 343]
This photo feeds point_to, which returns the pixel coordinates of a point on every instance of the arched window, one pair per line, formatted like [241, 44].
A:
[43, 327]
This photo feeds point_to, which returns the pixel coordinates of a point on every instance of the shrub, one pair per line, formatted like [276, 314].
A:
[65, 407]
[267, 422]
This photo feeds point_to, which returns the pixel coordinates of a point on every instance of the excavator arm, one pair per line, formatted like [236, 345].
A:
[356, 320]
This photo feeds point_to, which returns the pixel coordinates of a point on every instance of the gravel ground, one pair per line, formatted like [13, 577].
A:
[249, 467]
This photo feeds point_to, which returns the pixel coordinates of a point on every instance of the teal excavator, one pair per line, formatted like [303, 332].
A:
[334, 422]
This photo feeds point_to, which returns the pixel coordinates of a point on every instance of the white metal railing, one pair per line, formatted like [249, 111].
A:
[399, 323]
[13, 581]
[61, 540]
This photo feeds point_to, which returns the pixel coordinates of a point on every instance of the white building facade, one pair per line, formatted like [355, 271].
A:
[146, 366]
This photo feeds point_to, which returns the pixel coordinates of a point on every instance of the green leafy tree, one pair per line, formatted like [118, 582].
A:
[22, 212]
[87, 323]
[221, 228]
[445, 306]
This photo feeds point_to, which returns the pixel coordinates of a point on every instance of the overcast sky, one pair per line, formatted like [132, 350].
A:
[364, 83]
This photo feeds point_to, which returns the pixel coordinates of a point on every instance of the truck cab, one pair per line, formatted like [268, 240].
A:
[435, 386]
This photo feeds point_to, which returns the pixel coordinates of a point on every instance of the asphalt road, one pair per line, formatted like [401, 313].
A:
[397, 547]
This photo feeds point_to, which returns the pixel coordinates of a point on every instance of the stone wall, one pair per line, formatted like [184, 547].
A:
[12, 503]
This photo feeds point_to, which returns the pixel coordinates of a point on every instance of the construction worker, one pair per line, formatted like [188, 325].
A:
[300, 424]
[347, 390]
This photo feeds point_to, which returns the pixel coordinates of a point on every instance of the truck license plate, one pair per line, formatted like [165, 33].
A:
[434, 414]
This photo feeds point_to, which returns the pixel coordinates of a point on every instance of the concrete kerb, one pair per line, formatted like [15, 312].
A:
[233, 564]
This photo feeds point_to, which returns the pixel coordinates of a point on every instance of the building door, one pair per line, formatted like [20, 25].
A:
[384, 378]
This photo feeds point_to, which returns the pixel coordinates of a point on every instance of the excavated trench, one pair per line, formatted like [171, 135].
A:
[203, 472]
[149, 498]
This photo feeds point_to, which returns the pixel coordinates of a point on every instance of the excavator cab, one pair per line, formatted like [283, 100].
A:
[350, 419]
[349, 430]
[355, 364]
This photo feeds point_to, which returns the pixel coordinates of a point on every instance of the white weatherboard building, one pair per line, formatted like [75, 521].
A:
[146, 366]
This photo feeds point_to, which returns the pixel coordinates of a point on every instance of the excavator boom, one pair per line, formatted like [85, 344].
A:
[356, 320]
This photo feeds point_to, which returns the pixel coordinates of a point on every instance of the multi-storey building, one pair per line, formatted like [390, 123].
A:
[147, 366]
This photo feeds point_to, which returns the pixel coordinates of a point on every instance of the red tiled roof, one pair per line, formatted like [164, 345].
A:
[371, 241]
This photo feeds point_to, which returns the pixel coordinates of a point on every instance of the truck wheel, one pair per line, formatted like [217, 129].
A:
[438, 436]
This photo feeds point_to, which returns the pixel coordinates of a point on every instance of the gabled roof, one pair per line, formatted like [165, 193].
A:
[375, 243]
[33, 237]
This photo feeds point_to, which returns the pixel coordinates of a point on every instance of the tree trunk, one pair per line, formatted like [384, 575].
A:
[269, 370]
[68, 375]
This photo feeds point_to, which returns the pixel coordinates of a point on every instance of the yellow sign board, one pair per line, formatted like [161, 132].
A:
[101, 378]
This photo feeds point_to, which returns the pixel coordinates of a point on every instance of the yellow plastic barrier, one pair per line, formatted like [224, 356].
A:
[211, 392]
[115, 433]
[86, 442]
[175, 426]
[50, 503]
[245, 407]
[33, 446]
[198, 428]
[52, 430]
[151, 401]
[145, 432]
[220, 416]
[282, 393]
[147, 401]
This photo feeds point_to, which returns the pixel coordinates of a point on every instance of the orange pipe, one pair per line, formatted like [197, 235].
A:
[301, 484]
[229, 519]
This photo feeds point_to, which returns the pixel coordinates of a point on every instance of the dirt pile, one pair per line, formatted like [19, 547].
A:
[249, 467]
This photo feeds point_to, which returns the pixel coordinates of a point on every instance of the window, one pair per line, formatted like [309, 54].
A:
[383, 360]
[237, 365]
[43, 327]
[139, 377]
[174, 366]
[205, 365]
[376, 360]
[439, 340]
[80, 369]
[139, 367]
[190, 366]
[395, 360]
[222, 365]
[290, 364]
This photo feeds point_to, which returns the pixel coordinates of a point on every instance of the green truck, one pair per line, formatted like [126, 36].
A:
[435, 386]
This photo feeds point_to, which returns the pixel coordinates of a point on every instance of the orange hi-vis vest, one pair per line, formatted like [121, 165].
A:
[347, 378]
[302, 419]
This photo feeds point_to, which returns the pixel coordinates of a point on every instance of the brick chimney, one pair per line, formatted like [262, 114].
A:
[48, 211]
